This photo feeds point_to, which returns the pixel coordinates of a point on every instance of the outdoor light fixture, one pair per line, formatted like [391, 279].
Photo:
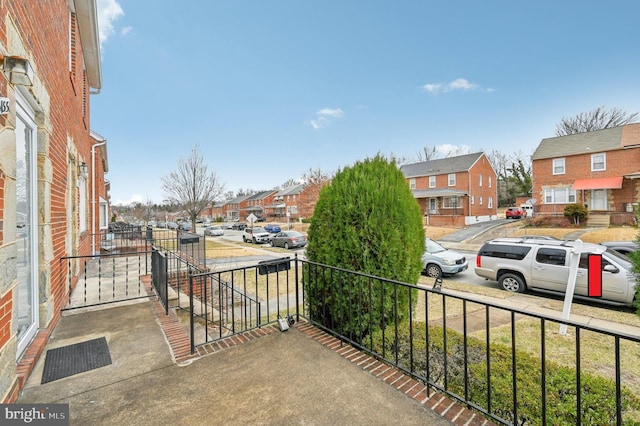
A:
[83, 169]
[18, 70]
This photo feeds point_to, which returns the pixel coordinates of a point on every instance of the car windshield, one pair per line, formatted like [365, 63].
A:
[259, 229]
[619, 257]
[432, 246]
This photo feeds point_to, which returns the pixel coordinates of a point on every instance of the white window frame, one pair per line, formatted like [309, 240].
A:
[480, 181]
[473, 199]
[566, 195]
[490, 202]
[412, 183]
[82, 203]
[480, 200]
[448, 203]
[557, 164]
[603, 162]
[432, 181]
[452, 179]
[104, 214]
[490, 180]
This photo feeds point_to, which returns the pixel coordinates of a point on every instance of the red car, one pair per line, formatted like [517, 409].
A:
[515, 213]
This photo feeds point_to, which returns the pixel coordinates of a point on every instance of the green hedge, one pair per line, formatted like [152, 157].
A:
[598, 393]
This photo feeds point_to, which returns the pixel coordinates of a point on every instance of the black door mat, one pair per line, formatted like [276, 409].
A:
[77, 358]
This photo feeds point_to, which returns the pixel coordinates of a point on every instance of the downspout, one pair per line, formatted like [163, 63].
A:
[93, 195]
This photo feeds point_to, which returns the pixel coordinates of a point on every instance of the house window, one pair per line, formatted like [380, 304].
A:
[450, 203]
[560, 195]
[452, 179]
[558, 166]
[412, 183]
[480, 181]
[480, 200]
[598, 162]
[490, 202]
[432, 181]
[472, 199]
[104, 214]
[490, 181]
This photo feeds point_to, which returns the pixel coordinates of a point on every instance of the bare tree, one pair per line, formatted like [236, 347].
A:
[428, 153]
[314, 181]
[598, 119]
[192, 186]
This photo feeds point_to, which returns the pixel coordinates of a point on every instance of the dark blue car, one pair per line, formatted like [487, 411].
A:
[271, 228]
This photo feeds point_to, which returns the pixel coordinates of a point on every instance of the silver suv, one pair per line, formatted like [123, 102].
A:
[255, 235]
[543, 265]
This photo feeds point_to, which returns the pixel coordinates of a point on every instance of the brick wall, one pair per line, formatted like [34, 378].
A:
[40, 33]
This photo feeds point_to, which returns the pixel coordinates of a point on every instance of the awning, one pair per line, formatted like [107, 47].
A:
[598, 183]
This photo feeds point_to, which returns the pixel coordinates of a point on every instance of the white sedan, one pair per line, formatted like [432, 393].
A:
[215, 231]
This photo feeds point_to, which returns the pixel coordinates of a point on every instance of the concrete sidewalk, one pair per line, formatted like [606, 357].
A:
[276, 378]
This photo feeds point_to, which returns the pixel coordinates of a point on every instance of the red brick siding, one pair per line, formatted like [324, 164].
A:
[6, 307]
[618, 163]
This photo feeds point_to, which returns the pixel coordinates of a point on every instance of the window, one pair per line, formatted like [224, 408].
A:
[559, 195]
[104, 214]
[473, 200]
[598, 162]
[490, 202]
[558, 166]
[412, 183]
[452, 179]
[489, 181]
[504, 251]
[480, 200]
[432, 181]
[480, 181]
[27, 288]
[450, 203]
[551, 256]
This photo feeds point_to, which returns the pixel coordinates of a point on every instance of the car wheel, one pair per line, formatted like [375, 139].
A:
[432, 270]
[254, 240]
[271, 243]
[513, 283]
[286, 246]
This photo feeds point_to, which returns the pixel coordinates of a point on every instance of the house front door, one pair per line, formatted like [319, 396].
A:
[433, 205]
[598, 199]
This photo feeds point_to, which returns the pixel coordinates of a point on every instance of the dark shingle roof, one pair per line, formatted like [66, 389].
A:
[461, 163]
[580, 143]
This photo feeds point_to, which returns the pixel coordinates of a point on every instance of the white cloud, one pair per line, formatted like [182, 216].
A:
[108, 12]
[324, 117]
[457, 84]
[449, 150]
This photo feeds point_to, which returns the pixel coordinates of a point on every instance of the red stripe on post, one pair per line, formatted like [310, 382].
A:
[595, 275]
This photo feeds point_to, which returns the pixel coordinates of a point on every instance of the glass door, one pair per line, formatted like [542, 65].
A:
[26, 226]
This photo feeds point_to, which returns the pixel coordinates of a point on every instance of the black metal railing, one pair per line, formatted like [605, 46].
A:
[101, 279]
[160, 277]
[512, 365]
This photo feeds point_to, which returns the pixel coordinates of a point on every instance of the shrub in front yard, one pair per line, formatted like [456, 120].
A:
[598, 403]
[576, 212]
[365, 220]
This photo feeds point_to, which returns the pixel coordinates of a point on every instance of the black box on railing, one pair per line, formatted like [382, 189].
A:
[189, 238]
[276, 265]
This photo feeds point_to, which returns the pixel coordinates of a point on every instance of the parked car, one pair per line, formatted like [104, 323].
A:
[215, 231]
[261, 219]
[161, 224]
[289, 239]
[438, 261]
[255, 235]
[515, 213]
[274, 229]
[543, 265]
[238, 226]
[172, 225]
[185, 226]
[624, 247]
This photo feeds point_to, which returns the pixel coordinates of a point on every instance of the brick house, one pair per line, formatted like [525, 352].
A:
[599, 169]
[231, 209]
[53, 194]
[455, 191]
[257, 204]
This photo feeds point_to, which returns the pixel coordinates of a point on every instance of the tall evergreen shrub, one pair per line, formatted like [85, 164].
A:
[366, 221]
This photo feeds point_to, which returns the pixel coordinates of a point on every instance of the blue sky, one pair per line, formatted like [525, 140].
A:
[271, 89]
